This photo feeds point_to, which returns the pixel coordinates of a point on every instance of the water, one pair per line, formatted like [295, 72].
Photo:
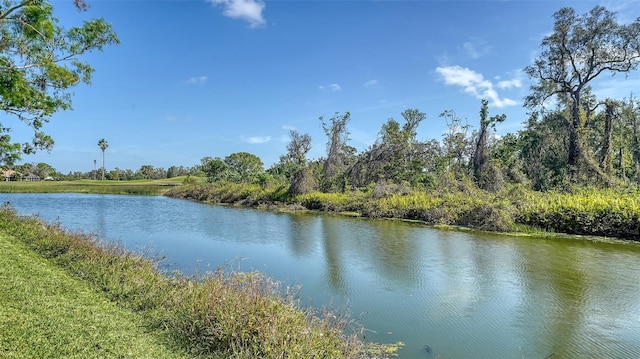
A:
[465, 295]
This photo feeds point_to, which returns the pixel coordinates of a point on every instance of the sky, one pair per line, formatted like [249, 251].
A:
[208, 78]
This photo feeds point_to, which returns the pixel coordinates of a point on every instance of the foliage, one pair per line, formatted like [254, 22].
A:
[486, 173]
[589, 211]
[39, 64]
[455, 201]
[397, 154]
[339, 154]
[302, 182]
[581, 48]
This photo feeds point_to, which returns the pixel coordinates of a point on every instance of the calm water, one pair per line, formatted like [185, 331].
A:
[464, 295]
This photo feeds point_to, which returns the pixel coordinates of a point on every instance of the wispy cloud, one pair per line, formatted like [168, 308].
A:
[247, 10]
[256, 139]
[331, 87]
[476, 48]
[474, 84]
[288, 127]
[505, 84]
[371, 83]
[197, 80]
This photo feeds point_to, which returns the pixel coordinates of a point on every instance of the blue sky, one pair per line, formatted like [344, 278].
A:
[209, 78]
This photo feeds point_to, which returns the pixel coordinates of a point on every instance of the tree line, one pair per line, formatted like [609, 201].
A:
[571, 137]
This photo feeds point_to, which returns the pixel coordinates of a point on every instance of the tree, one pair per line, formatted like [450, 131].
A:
[39, 64]
[216, 170]
[43, 170]
[247, 165]
[396, 156]
[145, 172]
[485, 175]
[455, 141]
[103, 146]
[581, 48]
[339, 153]
[298, 147]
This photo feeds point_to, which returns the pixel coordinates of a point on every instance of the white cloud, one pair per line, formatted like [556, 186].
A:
[288, 127]
[197, 80]
[248, 10]
[474, 84]
[476, 48]
[256, 139]
[331, 87]
[509, 83]
[371, 83]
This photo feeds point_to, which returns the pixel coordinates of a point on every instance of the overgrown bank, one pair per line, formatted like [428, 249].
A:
[219, 315]
[596, 212]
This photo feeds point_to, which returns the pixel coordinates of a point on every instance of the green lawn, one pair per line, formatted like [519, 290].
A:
[135, 187]
[45, 313]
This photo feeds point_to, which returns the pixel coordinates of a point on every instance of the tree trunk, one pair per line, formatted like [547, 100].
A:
[605, 154]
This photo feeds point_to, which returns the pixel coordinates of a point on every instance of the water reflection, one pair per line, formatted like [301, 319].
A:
[465, 295]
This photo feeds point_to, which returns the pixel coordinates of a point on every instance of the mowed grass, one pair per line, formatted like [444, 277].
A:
[46, 313]
[133, 187]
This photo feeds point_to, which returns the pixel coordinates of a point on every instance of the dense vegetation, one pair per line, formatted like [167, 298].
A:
[574, 168]
[217, 314]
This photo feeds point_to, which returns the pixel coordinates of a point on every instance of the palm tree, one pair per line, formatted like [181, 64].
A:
[103, 146]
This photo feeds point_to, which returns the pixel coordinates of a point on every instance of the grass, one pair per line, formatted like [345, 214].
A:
[134, 187]
[46, 313]
[215, 315]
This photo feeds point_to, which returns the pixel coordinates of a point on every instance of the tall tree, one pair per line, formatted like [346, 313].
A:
[338, 151]
[455, 141]
[481, 154]
[39, 64]
[581, 48]
[298, 147]
[103, 146]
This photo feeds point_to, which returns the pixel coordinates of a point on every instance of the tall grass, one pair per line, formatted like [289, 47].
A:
[588, 211]
[217, 314]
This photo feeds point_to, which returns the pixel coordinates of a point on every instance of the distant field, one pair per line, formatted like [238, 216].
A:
[141, 187]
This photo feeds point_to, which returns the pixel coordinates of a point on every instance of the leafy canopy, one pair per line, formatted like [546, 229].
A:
[39, 64]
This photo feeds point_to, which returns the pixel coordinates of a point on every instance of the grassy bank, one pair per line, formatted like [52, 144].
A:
[135, 187]
[218, 315]
[586, 211]
[46, 313]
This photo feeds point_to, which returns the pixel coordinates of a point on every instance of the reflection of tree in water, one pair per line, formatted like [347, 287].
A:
[332, 235]
[553, 296]
[302, 233]
[394, 250]
[389, 249]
